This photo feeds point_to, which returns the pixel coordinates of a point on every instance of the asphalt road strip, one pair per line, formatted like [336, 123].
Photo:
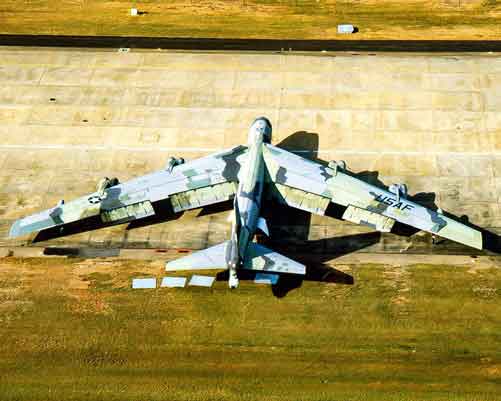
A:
[252, 45]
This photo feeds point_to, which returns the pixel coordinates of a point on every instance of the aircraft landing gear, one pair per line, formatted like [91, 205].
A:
[233, 278]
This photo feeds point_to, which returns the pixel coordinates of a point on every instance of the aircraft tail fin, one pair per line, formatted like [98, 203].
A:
[260, 258]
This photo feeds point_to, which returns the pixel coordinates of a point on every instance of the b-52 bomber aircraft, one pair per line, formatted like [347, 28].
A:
[244, 174]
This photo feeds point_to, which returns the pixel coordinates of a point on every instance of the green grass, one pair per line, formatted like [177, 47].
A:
[422, 333]
[299, 19]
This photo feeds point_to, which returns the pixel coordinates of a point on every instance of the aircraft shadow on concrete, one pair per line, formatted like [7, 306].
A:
[279, 216]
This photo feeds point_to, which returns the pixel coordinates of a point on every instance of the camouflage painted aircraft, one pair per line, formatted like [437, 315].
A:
[243, 174]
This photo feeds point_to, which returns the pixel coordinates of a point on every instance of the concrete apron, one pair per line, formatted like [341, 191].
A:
[68, 117]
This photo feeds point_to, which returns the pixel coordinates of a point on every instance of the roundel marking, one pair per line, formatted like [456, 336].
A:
[95, 199]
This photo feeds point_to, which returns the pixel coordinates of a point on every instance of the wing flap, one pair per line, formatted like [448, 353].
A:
[203, 196]
[361, 216]
[299, 199]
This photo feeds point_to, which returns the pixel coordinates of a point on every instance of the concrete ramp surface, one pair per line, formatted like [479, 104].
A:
[70, 117]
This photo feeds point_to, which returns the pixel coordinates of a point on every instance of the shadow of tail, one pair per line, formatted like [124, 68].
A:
[318, 273]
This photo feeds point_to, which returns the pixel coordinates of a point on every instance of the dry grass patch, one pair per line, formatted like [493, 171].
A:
[88, 336]
[299, 19]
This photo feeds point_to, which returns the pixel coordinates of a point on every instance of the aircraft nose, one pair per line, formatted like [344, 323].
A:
[262, 126]
[262, 123]
[259, 125]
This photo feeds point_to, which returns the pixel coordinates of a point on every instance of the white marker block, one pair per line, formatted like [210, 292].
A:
[172, 282]
[345, 28]
[144, 283]
[266, 278]
[133, 12]
[202, 281]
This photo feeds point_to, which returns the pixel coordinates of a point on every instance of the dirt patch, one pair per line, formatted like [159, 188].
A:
[12, 306]
[90, 303]
[493, 371]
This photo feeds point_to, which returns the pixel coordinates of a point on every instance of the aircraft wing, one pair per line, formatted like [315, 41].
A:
[190, 185]
[310, 186]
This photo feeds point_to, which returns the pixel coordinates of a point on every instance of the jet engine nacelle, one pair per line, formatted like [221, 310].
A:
[400, 190]
[335, 165]
[173, 162]
[106, 183]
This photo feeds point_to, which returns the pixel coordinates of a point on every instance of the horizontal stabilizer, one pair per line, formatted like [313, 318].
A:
[210, 258]
[263, 259]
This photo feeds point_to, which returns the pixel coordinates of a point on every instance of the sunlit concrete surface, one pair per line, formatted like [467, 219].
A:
[68, 117]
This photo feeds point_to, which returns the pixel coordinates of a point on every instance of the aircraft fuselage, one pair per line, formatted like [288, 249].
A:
[248, 198]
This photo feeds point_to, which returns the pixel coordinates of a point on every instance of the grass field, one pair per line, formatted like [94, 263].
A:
[300, 19]
[73, 330]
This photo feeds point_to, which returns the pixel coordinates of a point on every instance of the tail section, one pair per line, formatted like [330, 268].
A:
[260, 258]
[225, 256]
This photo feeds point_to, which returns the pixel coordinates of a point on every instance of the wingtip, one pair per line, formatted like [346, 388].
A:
[15, 229]
[18, 229]
[478, 240]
